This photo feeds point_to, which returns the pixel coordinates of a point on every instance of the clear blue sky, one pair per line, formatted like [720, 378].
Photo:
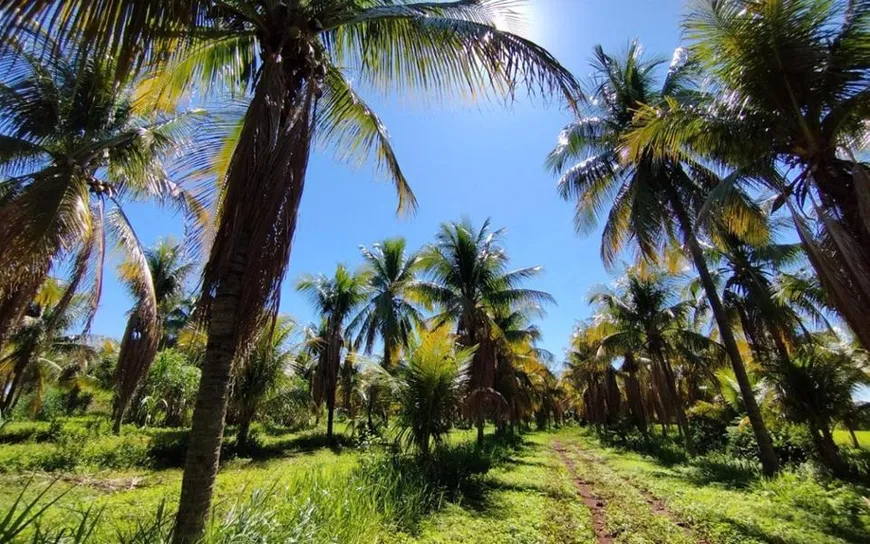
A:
[462, 160]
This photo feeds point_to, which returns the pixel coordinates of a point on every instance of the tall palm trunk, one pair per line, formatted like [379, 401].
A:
[333, 357]
[674, 395]
[769, 461]
[633, 393]
[264, 186]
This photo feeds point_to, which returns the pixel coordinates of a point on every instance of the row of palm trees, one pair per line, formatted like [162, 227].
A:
[768, 96]
[98, 105]
[463, 277]
[647, 355]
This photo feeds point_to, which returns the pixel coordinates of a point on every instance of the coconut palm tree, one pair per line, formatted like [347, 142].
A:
[469, 282]
[652, 201]
[168, 268]
[42, 349]
[389, 314]
[430, 387]
[789, 105]
[517, 360]
[261, 372]
[335, 299]
[73, 149]
[642, 315]
[299, 51]
[749, 273]
[816, 387]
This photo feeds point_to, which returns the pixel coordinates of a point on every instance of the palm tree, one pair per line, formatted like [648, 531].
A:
[261, 372]
[749, 273]
[816, 387]
[42, 350]
[389, 315]
[431, 382]
[518, 359]
[789, 106]
[297, 51]
[653, 201]
[335, 299]
[470, 284]
[73, 149]
[593, 378]
[641, 315]
[144, 334]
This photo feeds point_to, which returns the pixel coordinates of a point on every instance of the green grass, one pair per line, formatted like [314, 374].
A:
[841, 436]
[796, 507]
[296, 489]
[530, 499]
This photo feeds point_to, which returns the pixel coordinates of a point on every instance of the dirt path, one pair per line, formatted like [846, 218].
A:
[593, 503]
[596, 505]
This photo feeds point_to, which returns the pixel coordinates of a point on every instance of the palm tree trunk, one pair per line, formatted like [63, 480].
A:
[676, 398]
[769, 461]
[853, 436]
[827, 449]
[633, 393]
[207, 431]
[244, 432]
[249, 255]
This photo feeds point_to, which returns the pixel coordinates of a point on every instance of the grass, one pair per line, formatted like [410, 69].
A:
[797, 507]
[292, 488]
[841, 437]
[529, 499]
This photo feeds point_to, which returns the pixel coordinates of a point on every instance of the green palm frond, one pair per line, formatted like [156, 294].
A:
[348, 125]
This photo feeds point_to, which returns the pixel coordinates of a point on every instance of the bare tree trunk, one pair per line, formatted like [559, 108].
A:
[854, 437]
[769, 461]
[244, 433]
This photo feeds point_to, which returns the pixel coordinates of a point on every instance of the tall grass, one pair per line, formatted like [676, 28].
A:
[385, 492]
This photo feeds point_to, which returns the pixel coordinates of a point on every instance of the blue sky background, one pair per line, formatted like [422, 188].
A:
[475, 160]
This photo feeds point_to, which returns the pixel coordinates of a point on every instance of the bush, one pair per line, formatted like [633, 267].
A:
[708, 424]
[664, 449]
[726, 469]
[791, 443]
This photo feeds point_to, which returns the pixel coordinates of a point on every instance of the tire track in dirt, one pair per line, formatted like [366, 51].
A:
[587, 492]
[657, 505]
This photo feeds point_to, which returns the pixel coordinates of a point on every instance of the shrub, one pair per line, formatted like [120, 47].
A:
[791, 443]
[726, 469]
[708, 424]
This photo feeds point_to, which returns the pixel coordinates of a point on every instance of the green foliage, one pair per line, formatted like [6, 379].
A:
[708, 424]
[431, 382]
[169, 389]
[791, 442]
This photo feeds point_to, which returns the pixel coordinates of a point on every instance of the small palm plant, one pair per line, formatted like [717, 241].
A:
[816, 387]
[261, 372]
[432, 381]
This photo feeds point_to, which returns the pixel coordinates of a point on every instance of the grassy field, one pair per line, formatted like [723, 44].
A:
[842, 437]
[552, 488]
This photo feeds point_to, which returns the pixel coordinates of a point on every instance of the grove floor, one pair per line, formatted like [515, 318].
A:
[560, 487]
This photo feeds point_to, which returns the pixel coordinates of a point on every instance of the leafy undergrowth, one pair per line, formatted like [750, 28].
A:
[363, 494]
[84, 445]
[728, 503]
